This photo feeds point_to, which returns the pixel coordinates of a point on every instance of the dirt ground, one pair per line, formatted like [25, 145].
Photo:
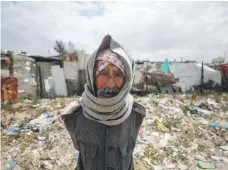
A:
[178, 133]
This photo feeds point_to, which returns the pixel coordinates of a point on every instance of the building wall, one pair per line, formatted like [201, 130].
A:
[24, 71]
[71, 73]
[5, 65]
[44, 78]
[82, 60]
[4, 72]
[74, 73]
[59, 81]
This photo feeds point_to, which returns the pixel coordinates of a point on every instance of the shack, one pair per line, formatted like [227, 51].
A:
[43, 75]
[22, 67]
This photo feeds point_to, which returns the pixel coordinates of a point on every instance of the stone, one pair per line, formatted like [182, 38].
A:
[199, 157]
[170, 166]
[47, 165]
[183, 167]
[42, 138]
[216, 158]
[26, 80]
[27, 101]
[27, 63]
[149, 121]
[157, 167]
[225, 148]
[224, 159]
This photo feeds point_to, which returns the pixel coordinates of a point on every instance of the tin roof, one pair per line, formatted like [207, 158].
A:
[45, 58]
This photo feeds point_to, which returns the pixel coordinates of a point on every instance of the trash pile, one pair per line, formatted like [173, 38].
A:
[186, 131]
[36, 143]
[181, 131]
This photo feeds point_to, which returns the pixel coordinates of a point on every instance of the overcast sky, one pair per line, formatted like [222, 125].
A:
[154, 30]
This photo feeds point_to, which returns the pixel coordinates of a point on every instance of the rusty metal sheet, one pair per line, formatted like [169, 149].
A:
[9, 88]
[164, 78]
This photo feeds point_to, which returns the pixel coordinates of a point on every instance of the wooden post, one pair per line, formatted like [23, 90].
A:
[11, 69]
[202, 77]
[146, 75]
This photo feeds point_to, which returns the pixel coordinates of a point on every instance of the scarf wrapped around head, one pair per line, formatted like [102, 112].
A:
[104, 58]
[115, 110]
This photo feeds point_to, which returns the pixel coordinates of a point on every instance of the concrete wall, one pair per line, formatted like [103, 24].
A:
[82, 60]
[24, 71]
[44, 78]
[4, 72]
[59, 81]
[74, 73]
[71, 73]
[34, 78]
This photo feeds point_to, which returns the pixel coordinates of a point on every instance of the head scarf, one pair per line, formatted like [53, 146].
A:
[115, 110]
[104, 58]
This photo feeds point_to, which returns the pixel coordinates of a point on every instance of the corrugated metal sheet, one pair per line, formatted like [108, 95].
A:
[9, 88]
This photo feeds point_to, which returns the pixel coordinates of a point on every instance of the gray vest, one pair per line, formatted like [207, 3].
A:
[103, 147]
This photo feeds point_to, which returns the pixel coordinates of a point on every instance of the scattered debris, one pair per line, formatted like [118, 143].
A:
[13, 129]
[139, 140]
[183, 167]
[41, 138]
[224, 148]
[12, 165]
[76, 157]
[161, 126]
[206, 165]
[218, 125]
[156, 167]
[172, 135]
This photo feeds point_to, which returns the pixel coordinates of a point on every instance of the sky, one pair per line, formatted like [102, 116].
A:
[148, 30]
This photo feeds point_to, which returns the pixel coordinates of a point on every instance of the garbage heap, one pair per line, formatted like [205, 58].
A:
[180, 131]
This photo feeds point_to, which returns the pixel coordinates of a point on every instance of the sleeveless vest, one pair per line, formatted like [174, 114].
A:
[103, 147]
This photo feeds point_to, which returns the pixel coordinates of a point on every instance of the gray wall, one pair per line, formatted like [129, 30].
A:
[43, 71]
[24, 71]
[71, 73]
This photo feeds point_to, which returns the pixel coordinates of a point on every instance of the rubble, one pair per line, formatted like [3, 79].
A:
[182, 137]
[177, 133]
